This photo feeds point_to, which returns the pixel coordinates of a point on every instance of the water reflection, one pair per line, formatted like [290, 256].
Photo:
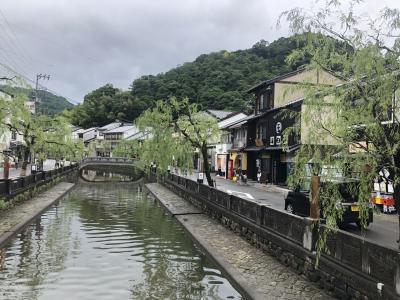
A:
[107, 173]
[108, 241]
[104, 176]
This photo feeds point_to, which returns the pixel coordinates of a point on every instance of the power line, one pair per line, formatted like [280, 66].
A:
[10, 49]
[18, 42]
[33, 82]
[18, 50]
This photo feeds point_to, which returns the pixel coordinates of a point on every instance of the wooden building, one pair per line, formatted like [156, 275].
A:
[275, 99]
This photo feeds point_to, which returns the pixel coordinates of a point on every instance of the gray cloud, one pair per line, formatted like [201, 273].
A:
[85, 44]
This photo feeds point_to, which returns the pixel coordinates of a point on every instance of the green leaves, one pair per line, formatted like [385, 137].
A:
[176, 129]
[358, 117]
[105, 105]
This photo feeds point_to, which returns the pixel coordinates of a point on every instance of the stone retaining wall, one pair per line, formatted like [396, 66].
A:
[353, 269]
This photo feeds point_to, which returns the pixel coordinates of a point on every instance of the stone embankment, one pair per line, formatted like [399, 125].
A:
[14, 219]
[256, 274]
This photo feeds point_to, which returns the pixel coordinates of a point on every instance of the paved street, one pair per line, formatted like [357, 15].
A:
[49, 164]
[384, 229]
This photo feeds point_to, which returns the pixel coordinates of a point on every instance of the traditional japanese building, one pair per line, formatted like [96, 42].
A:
[277, 102]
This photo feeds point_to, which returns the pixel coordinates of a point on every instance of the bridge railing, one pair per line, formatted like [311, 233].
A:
[108, 160]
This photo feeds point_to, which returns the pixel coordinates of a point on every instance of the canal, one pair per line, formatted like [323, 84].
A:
[108, 241]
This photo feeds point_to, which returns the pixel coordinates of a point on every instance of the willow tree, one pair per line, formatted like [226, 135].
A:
[43, 136]
[127, 149]
[359, 118]
[53, 139]
[177, 129]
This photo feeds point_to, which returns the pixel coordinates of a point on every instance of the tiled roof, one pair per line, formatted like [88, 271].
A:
[220, 114]
[110, 126]
[275, 79]
[120, 129]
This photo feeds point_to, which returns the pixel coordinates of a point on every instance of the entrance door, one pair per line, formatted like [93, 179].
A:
[282, 173]
[274, 171]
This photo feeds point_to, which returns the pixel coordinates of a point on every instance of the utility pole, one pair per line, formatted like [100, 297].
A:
[39, 76]
[35, 102]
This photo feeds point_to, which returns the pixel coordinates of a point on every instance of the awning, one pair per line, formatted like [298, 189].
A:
[287, 150]
[235, 150]
[254, 148]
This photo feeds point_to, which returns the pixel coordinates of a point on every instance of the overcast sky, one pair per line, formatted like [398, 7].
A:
[84, 44]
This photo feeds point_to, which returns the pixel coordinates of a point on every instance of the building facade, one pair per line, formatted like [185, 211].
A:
[277, 103]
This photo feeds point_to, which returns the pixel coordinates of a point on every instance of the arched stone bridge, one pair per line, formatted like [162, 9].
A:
[107, 161]
[109, 165]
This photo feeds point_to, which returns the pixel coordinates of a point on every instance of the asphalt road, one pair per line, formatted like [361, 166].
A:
[384, 230]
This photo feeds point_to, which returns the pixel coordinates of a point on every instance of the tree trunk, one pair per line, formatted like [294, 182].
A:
[24, 166]
[396, 196]
[314, 204]
[6, 167]
[206, 166]
[395, 177]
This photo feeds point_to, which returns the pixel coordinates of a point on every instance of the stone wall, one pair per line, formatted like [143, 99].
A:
[352, 269]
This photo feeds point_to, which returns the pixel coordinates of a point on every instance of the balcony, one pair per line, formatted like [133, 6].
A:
[237, 144]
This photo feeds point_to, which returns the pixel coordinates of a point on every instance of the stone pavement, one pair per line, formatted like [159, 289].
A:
[13, 219]
[256, 272]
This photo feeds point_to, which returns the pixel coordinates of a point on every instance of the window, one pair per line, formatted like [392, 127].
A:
[269, 101]
[261, 132]
[264, 131]
[261, 101]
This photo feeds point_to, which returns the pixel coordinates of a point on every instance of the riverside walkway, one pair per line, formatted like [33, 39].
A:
[260, 275]
[13, 219]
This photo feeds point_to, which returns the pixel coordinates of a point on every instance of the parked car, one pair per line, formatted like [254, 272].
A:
[298, 202]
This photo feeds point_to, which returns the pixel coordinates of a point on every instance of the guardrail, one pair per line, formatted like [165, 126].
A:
[109, 160]
[353, 267]
[12, 187]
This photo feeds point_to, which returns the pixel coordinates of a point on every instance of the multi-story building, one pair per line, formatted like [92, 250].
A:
[107, 127]
[236, 134]
[113, 136]
[263, 149]
[219, 154]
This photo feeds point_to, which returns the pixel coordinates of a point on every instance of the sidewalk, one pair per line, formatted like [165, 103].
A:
[270, 188]
[48, 164]
[257, 273]
[384, 230]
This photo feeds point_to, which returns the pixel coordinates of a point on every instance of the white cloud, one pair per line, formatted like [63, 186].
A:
[85, 44]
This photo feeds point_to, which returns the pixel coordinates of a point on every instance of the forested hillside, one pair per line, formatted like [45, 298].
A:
[215, 81]
[49, 104]
[219, 80]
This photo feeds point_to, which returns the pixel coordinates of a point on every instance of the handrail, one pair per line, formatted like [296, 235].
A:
[109, 160]
[13, 186]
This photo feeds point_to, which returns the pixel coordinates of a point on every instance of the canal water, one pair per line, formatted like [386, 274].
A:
[108, 241]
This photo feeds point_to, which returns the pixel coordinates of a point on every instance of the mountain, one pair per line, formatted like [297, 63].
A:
[220, 80]
[217, 80]
[49, 103]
